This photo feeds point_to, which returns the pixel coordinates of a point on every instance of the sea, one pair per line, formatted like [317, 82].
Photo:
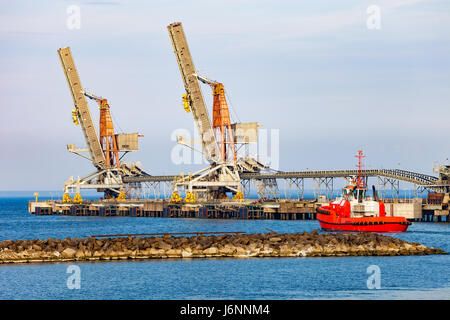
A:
[366, 278]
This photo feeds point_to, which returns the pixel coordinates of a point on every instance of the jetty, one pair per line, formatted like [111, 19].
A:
[207, 245]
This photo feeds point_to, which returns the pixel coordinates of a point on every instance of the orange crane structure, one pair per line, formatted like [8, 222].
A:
[221, 120]
[106, 128]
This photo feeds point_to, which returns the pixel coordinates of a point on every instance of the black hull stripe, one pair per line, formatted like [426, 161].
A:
[323, 211]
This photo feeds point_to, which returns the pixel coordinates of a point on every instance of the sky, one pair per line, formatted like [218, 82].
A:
[317, 72]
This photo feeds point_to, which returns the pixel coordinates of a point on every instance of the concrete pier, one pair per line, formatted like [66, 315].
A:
[416, 210]
[286, 210]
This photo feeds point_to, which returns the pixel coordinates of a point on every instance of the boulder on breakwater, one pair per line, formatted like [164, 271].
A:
[304, 244]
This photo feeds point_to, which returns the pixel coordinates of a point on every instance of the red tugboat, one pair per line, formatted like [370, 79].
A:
[356, 212]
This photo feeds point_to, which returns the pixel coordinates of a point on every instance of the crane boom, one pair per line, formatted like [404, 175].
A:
[81, 106]
[194, 94]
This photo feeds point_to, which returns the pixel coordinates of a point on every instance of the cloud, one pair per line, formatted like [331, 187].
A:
[102, 3]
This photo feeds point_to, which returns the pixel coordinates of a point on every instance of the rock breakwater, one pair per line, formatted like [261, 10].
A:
[304, 244]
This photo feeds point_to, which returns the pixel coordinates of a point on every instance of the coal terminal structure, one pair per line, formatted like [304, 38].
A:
[222, 190]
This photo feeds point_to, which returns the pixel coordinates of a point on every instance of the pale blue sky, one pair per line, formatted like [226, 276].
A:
[311, 69]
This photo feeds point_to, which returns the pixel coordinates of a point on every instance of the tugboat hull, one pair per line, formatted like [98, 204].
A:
[329, 220]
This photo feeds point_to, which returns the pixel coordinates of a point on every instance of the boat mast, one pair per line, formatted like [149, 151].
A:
[360, 182]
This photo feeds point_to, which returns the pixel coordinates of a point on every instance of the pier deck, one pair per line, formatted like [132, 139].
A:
[257, 209]
[288, 210]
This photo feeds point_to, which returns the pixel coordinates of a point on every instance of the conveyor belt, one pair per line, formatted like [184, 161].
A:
[402, 175]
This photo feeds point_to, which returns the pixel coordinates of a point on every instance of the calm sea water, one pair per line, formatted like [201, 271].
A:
[413, 277]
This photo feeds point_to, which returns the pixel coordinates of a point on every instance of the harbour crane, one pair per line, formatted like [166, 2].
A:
[104, 149]
[220, 176]
[218, 139]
